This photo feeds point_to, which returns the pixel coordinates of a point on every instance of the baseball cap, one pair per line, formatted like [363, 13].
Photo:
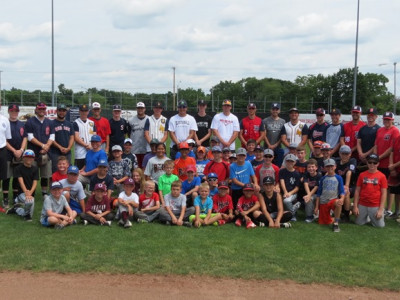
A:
[116, 148]
[345, 149]
[73, 170]
[291, 157]
[140, 105]
[13, 107]
[212, 175]
[95, 138]
[226, 149]
[248, 187]
[259, 148]
[318, 144]
[56, 185]
[336, 111]
[241, 151]
[233, 155]
[357, 109]
[158, 104]
[373, 157]
[216, 149]
[275, 106]
[191, 141]
[102, 163]
[41, 105]
[268, 180]
[388, 115]
[214, 139]
[268, 152]
[96, 105]
[29, 153]
[201, 149]
[117, 107]
[61, 106]
[227, 102]
[293, 109]
[182, 103]
[128, 140]
[372, 111]
[223, 185]
[329, 162]
[320, 111]
[183, 145]
[293, 146]
[129, 181]
[154, 142]
[326, 146]
[251, 105]
[202, 102]
[100, 186]
[191, 168]
[83, 107]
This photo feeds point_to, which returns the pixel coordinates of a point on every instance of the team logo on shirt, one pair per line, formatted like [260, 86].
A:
[21, 131]
[162, 121]
[47, 130]
[373, 181]
[292, 180]
[387, 137]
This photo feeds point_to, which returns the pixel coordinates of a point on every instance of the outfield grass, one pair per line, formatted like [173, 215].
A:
[357, 256]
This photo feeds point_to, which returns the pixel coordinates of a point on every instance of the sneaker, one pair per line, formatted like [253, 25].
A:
[221, 222]
[335, 227]
[296, 206]
[121, 222]
[388, 213]
[238, 222]
[394, 216]
[309, 219]
[59, 226]
[293, 219]
[286, 225]
[2, 210]
[127, 224]
[142, 220]
[191, 218]
[11, 210]
[74, 222]
[215, 223]
[5, 203]
[250, 224]
[261, 224]
[398, 220]
[167, 223]
[187, 224]
[107, 223]
[85, 222]
[28, 218]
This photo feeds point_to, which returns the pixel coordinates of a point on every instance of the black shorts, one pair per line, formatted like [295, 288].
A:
[3, 163]
[394, 190]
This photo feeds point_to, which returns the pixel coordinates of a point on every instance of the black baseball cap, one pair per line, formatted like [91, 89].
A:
[83, 107]
[158, 104]
[61, 106]
[202, 102]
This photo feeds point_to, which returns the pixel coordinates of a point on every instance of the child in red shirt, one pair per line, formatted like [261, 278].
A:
[222, 203]
[62, 167]
[149, 204]
[97, 209]
[248, 208]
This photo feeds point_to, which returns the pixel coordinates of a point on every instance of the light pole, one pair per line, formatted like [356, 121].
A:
[356, 53]
[394, 85]
[173, 88]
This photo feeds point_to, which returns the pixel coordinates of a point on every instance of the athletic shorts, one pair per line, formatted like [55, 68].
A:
[45, 222]
[394, 190]
[325, 212]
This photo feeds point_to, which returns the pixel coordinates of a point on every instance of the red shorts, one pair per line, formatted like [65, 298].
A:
[325, 212]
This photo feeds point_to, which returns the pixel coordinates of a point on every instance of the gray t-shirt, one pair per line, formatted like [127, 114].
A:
[56, 206]
[155, 167]
[175, 204]
[273, 128]
[330, 187]
[76, 193]
[333, 134]
[139, 143]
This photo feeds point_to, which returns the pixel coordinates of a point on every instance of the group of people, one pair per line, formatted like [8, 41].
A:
[121, 170]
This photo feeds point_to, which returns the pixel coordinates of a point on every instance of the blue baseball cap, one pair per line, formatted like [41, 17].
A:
[212, 175]
[29, 153]
[73, 170]
[102, 163]
[95, 138]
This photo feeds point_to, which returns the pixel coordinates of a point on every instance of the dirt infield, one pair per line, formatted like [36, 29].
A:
[21, 285]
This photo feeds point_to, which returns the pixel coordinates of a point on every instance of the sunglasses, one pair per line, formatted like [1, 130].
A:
[268, 156]
[372, 162]
[212, 179]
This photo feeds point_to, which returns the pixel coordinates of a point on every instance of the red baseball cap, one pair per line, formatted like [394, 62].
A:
[191, 168]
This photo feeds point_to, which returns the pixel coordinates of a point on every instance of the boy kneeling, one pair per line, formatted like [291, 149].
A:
[97, 210]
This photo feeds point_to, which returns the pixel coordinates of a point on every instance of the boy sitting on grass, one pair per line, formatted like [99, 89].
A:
[62, 167]
[190, 186]
[165, 180]
[149, 204]
[128, 202]
[73, 190]
[222, 203]
[98, 210]
[56, 211]
[248, 207]
[175, 212]
[28, 176]
[330, 196]
[102, 176]
[290, 180]
[203, 205]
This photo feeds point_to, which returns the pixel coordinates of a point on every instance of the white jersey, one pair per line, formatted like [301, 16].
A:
[226, 126]
[86, 130]
[5, 131]
[294, 132]
[156, 128]
[181, 126]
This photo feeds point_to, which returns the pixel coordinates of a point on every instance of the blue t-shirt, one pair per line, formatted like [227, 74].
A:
[187, 186]
[250, 157]
[191, 154]
[242, 173]
[93, 158]
[204, 207]
[213, 192]
[200, 166]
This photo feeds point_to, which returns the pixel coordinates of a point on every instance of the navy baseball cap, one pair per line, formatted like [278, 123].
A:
[116, 107]
[275, 106]
[61, 106]
[373, 157]
[95, 138]
[83, 107]
[182, 104]
[13, 107]
[102, 163]
[56, 185]
[212, 175]
[73, 170]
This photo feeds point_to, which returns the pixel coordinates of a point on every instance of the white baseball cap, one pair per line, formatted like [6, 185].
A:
[96, 105]
[140, 104]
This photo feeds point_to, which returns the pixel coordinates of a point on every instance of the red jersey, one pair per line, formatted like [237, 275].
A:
[102, 127]
[57, 176]
[147, 202]
[251, 128]
[351, 134]
[396, 152]
[371, 185]
[220, 168]
[244, 204]
[181, 165]
[222, 204]
[383, 141]
[97, 207]
[263, 171]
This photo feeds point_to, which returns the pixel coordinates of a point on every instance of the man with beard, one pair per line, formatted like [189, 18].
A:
[351, 130]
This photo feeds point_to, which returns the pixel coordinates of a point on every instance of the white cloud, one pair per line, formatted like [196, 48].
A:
[235, 15]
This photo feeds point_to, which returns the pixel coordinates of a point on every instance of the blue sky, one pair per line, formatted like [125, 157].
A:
[132, 45]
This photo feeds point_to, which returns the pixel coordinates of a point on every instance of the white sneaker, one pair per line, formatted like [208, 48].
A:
[128, 224]
[121, 222]
[108, 223]
[85, 222]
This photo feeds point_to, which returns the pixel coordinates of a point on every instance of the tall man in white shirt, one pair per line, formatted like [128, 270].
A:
[226, 126]
[294, 131]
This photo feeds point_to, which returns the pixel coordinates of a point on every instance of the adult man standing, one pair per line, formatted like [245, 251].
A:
[119, 128]
[40, 133]
[273, 126]
[202, 136]
[317, 131]
[156, 126]
[251, 127]
[351, 130]
[335, 131]
[84, 130]
[64, 137]
[226, 126]
[366, 136]
[181, 128]
[102, 126]
[5, 136]
[136, 125]
[294, 131]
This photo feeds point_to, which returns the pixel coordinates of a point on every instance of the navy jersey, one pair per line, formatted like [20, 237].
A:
[63, 130]
[40, 130]
[17, 135]
[119, 130]
[317, 132]
[291, 179]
